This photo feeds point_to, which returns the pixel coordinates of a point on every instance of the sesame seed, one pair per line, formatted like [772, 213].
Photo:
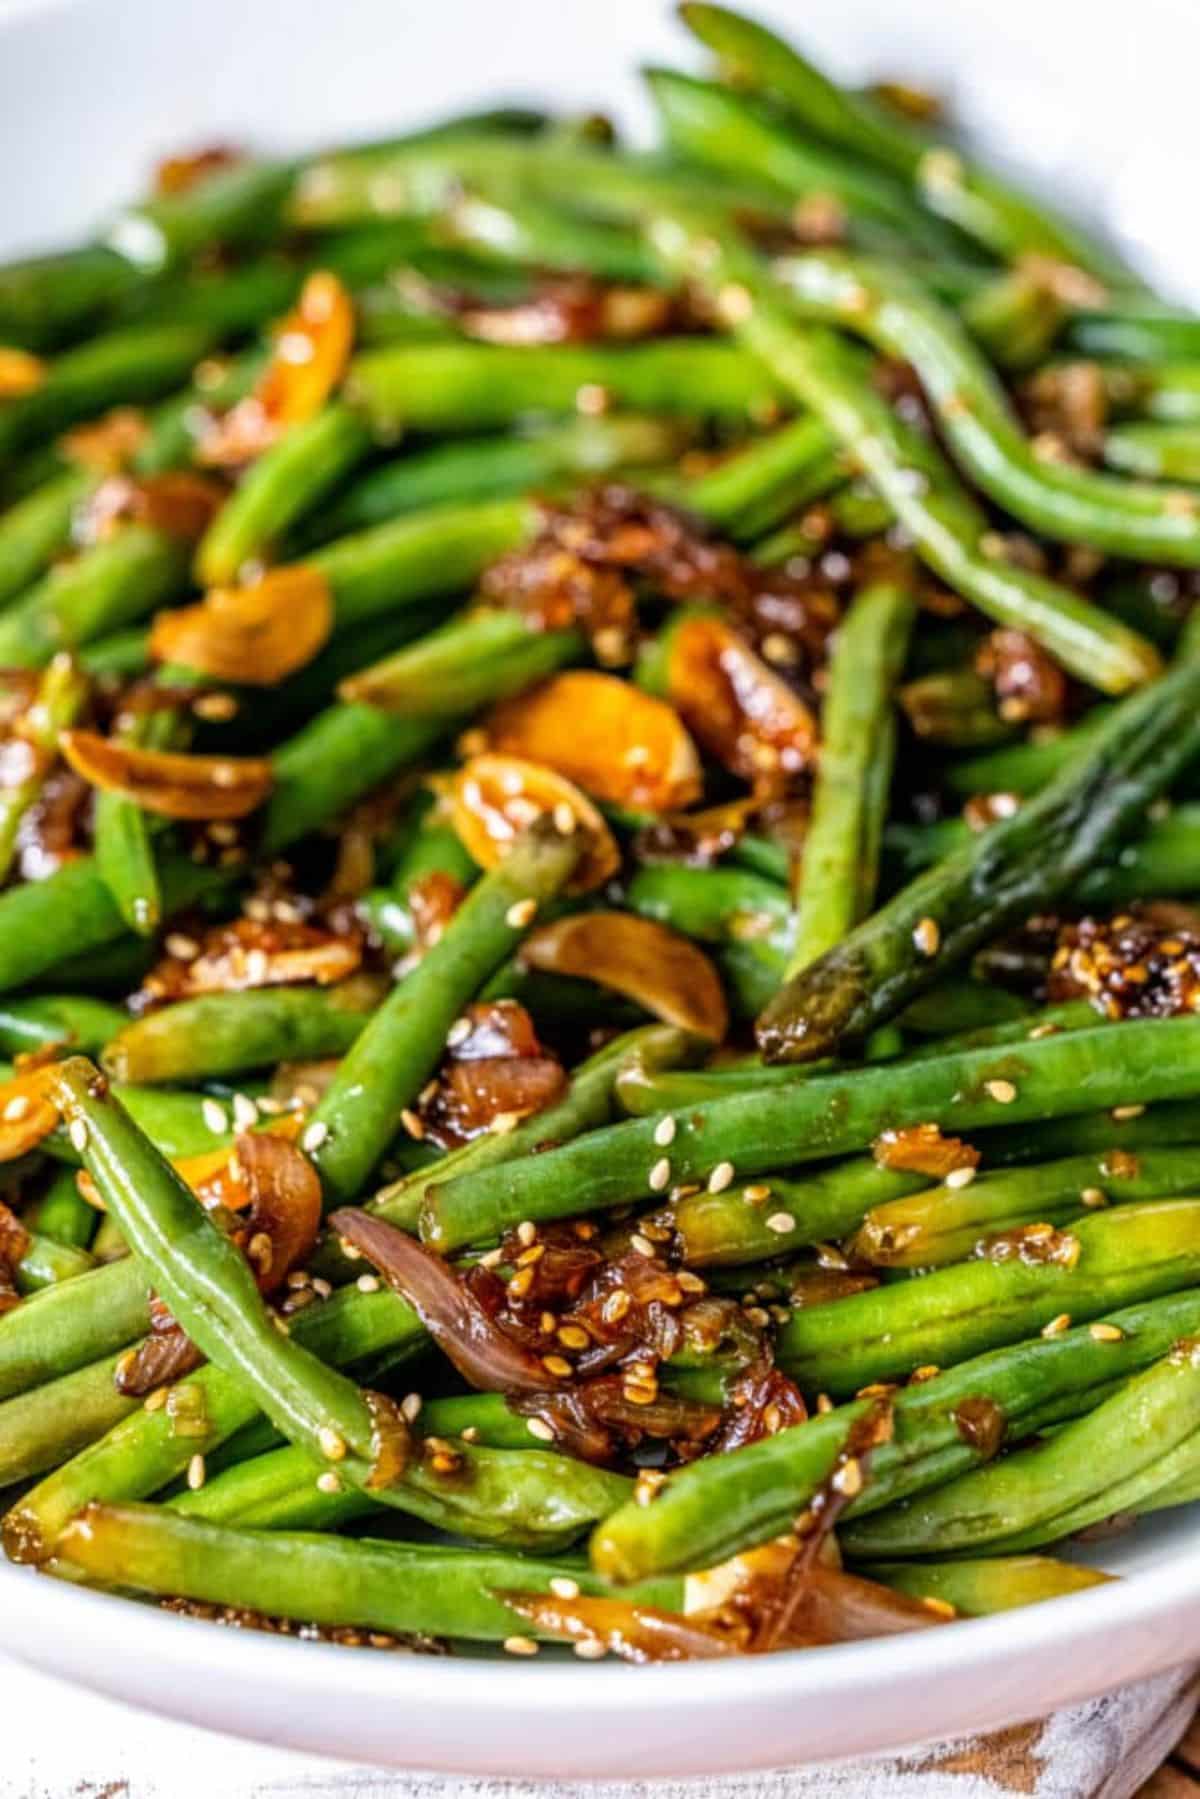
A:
[755, 1195]
[1093, 1197]
[659, 1176]
[527, 1232]
[322, 1288]
[492, 1259]
[564, 1588]
[941, 1608]
[735, 303]
[78, 1133]
[155, 1401]
[781, 1223]
[1106, 1333]
[520, 1646]
[368, 1283]
[1003, 1092]
[314, 1136]
[504, 1123]
[642, 1244]
[217, 707]
[721, 1177]
[848, 1478]
[557, 1365]
[538, 1428]
[471, 1434]
[331, 1445]
[16, 1108]
[213, 1114]
[564, 819]
[245, 1112]
[1058, 1325]
[1121, 1113]
[664, 1132]
[520, 914]
[196, 1473]
[590, 1649]
[412, 1123]
[181, 947]
[824, 1403]
[961, 1177]
[927, 936]
[458, 1033]
[329, 1482]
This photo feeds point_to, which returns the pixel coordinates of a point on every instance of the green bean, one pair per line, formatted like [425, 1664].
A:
[329, 1581]
[476, 387]
[45, 300]
[884, 303]
[947, 529]
[955, 708]
[69, 1326]
[122, 832]
[402, 1045]
[42, 1429]
[1154, 451]
[1135, 1252]
[147, 1450]
[62, 1214]
[1166, 860]
[1139, 329]
[61, 696]
[835, 883]
[984, 208]
[432, 553]
[1015, 317]
[122, 368]
[758, 486]
[112, 584]
[47, 1263]
[73, 911]
[966, 1005]
[489, 468]
[549, 237]
[119, 657]
[280, 488]
[716, 128]
[827, 1115]
[1017, 866]
[234, 207]
[230, 1033]
[726, 1503]
[724, 1230]
[984, 1585]
[340, 755]
[1039, 1494]
[37, 529]
[942, 1225]
[1025, 768]
[472, 661]
[388, 911]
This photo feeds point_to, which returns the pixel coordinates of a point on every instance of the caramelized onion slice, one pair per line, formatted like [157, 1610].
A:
[616, 742]
[496, 797]
[284, 1192]
[20, 373]
[28, 1113]
[106, 445]
[14, 1244]
[637, 1633]
[251, 953]
[844, 1608]
[639, 958]
[310, 356]
[255, 635]
[483, 1353]
[736, 706]
[165, 782]
[178, 502]
[922, 1149]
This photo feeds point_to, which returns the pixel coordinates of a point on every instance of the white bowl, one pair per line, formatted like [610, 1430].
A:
[1095, 97]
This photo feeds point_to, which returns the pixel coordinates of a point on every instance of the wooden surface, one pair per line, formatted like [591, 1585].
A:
[1179, 1778]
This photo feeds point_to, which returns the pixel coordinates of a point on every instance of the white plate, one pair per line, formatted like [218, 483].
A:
[1097, 96]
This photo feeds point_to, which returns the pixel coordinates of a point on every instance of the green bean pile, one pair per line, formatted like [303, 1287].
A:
[600, 846]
